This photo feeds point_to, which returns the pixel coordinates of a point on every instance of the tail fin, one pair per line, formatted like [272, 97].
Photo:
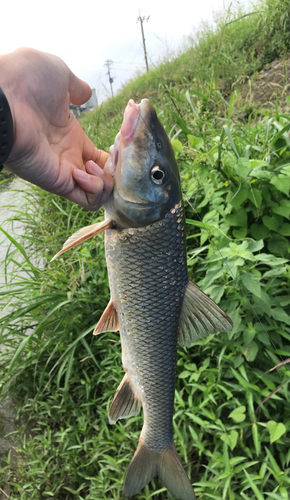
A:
[146, 464]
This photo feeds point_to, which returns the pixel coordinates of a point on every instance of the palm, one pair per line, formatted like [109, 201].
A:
[50, 143]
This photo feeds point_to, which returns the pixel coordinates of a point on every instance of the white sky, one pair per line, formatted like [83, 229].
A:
[85, 33]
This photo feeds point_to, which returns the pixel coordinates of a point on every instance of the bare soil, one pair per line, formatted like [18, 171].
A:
[270, 85]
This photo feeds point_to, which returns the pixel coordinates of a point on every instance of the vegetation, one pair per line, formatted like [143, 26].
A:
[232, 408]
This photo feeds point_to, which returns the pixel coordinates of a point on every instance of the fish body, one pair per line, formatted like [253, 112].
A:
[148, 277]
[153, 303]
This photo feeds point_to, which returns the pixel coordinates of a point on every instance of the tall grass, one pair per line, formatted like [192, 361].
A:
[231, 417]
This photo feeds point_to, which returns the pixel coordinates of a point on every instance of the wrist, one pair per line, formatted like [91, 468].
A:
[6, 129]
[7, 124]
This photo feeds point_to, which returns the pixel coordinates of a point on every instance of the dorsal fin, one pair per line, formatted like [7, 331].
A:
[84, 234]
[200, 316]
[109, 321]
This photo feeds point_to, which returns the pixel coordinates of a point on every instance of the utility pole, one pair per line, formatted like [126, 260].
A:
[108, 63]
[142, 19]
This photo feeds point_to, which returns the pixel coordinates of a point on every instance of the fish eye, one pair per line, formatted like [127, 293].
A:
[159, 145]
[158, 175]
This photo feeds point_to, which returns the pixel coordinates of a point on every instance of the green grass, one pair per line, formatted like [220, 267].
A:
[236, 182]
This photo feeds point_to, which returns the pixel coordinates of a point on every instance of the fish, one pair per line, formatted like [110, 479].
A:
[154, 305]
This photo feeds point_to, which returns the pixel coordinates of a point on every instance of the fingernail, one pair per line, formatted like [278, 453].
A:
[81, 174]
[95, 168]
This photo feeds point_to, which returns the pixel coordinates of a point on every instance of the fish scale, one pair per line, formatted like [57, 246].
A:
[148, 275]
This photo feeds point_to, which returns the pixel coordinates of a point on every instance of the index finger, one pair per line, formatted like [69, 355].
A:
[90, 152]
[100, 157]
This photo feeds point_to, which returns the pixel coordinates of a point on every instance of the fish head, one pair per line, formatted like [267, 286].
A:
[142, 161]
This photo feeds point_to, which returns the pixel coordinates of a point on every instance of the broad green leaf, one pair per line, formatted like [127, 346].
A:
[239, 196]
[272, 223]
[236, 319]
[211, 275]
[177, 146]
[215, 292]
[238, 361]
[238, 415]
[259, 163]
[278, 271]
[243, 167]
[252, 283]
[185, 374]
[271, 260]
[280, 314]
[284, 230]
[249, 334]
[240, 233]
[279, 245]
[282, 209]
[231, 439]
[256, 197]
[264, 337]
[286, 169]
[276, 430]
[264, 302]
[251, 351]
[282, 183]
[259, 231]
[238, 218]
[195, 142]
[260, 173]
[255, 246]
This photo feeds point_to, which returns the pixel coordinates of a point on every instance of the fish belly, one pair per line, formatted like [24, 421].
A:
[148, 276]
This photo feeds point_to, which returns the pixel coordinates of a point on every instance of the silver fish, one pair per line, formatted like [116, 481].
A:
[153, 303]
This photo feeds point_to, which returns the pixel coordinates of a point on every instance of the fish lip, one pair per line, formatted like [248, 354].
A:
[130, 122]
[124, 141]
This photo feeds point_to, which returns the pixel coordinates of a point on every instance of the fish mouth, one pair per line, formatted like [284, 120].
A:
[137, 202]
[130, 122]
[125, 136]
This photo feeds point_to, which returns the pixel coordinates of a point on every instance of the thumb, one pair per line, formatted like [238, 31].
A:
[79, 91]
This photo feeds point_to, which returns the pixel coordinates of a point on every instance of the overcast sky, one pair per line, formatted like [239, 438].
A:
[85, 33]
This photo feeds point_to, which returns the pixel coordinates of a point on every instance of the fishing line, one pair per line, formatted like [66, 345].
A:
[211, 240]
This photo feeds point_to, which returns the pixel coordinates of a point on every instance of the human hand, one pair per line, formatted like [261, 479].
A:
[50, 148]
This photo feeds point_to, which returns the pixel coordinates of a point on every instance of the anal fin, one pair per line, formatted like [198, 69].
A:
[200, 316]
[84, 234]
[109, 321]
[126, 402]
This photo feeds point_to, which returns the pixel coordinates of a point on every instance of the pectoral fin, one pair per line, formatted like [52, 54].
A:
[84, 234]
[200, 316]
[109, 321]
[126, 402]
